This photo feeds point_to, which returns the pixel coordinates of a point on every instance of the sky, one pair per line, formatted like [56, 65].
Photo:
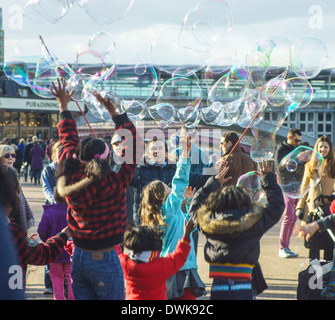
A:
[144, 22]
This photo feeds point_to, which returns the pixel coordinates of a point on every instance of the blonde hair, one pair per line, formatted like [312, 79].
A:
[55, 150]
[4, 148]
[153, 197]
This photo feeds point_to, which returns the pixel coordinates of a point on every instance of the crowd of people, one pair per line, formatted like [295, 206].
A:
[93, 249]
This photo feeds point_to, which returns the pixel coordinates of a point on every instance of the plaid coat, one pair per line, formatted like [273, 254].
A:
[97, 212]
[30, 251]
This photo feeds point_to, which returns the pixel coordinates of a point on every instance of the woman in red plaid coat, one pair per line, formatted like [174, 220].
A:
[96, 200]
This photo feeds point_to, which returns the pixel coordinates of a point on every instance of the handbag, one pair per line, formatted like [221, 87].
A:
[320, 240]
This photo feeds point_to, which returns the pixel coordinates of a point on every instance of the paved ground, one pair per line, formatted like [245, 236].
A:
[281, 274]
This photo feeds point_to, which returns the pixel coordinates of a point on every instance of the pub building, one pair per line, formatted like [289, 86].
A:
[24, 114]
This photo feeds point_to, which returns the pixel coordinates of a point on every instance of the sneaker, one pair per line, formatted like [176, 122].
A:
[48, 291]
[286, 253]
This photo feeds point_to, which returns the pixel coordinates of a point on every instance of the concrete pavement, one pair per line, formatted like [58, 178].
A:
[281, 274]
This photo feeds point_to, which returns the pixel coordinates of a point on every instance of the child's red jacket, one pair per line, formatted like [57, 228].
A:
[147, 281]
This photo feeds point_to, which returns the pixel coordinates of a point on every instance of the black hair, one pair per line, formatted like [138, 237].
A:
[86, 151]
[143, 238]
[229, 197]
[231, 136]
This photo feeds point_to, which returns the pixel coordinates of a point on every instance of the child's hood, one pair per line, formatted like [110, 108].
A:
[230, 221]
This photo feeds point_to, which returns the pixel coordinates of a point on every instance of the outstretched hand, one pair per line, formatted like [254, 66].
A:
[264, 168]
[189, 192]
[63, 97]
[188, 228]
[107, 103]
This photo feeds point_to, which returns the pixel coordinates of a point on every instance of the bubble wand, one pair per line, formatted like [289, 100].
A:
[253, 119]
[51, 57]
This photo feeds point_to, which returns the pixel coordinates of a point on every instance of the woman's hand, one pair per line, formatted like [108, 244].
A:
[107, 103]
[61, 94]
[307, 230]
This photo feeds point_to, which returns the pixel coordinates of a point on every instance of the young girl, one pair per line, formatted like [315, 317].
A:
[53, 221]
[96, 201]
[326, 186]
[233, 227]
[161, 206]
[28, 251]
[144, 270]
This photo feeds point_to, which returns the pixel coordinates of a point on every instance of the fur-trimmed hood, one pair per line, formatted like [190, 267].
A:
[228, 222]
[66, 190]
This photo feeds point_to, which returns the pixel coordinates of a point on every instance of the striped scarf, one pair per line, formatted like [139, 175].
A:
[240, 271]
[27, 217]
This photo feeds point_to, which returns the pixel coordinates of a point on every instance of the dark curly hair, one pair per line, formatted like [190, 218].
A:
[143, 238]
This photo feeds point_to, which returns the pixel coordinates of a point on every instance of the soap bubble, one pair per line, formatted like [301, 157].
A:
[293, 171]
[263, 145]
[251, 184]
[136, 110]
[102, 44]
[105, 11]
[46, 11]
[163, 113]
[308, 56]
[210, 20]
[171, 53]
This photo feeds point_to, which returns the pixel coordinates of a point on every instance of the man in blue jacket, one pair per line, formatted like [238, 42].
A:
[157, 167]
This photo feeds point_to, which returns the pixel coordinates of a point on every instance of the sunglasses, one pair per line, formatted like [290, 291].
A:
[297, 141]
[7, 155]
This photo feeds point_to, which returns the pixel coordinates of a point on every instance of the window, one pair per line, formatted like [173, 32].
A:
[302, 127]
[302, 116]
[320, 127]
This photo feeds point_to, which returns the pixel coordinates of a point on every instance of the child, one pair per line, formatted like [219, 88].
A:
[96, 201]
[28, 251]
[233, 227]
[145, 271]
[53, 220]
[161, 206]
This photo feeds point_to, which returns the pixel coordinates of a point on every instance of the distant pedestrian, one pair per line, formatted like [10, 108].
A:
[37, 156]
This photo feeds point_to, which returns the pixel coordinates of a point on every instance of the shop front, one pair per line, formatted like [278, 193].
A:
[23, 118]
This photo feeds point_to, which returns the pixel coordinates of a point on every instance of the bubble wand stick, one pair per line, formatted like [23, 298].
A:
[50, 55]
[253, 119]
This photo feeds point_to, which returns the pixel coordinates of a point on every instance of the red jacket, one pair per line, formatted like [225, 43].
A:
[147, 281]
[97, 213]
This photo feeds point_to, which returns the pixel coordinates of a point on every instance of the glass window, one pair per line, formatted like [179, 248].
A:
[320, 127]
[6, 118]
[302, 127]
[302, 116]
[310, 116]
[292, 116]
[320, 117]
[310, 127]
[328, 116]
[328, 127]
[23, 119]
[15, 119]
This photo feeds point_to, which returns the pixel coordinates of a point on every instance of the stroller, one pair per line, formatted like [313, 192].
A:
[317, 281]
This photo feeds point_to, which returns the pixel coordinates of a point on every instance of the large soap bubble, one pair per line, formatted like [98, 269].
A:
[46, 11]
[295, 169]
[210, 20]
[172, 53]
[105, 11]
[308, 56]
[251, 183]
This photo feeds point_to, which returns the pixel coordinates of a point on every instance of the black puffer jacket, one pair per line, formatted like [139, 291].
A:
[233, 236]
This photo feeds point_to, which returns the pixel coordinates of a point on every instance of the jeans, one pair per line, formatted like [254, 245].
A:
[97, 275]
[227, 289]
[289, 220]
